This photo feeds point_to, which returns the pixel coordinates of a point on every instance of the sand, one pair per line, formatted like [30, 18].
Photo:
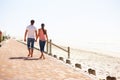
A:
[103, 63]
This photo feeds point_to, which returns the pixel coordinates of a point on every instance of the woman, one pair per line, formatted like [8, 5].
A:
[43, 37]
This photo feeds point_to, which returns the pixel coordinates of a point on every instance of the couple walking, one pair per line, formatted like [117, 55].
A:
[32, 36]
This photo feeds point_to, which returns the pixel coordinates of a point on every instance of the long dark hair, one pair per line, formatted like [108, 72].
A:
[42, 26]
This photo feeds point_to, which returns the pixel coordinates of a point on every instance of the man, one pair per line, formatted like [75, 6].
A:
[31, 33]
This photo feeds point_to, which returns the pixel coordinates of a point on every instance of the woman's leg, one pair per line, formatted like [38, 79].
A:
[42, 45]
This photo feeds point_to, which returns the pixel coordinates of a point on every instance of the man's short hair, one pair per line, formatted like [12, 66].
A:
[32, 21]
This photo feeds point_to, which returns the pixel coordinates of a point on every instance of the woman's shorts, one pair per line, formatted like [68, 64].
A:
[42, 45]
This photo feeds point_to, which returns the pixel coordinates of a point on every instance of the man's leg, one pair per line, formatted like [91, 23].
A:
[29, 52]
[28, 45]
[32, 46]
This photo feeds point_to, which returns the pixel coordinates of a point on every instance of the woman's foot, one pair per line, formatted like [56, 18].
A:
[43, 57]
[31, 55]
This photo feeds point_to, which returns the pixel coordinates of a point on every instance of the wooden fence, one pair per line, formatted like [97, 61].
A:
[49, 48]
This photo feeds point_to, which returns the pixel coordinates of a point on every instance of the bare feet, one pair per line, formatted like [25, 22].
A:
[31, 55]
[42, 57]
[28, 55]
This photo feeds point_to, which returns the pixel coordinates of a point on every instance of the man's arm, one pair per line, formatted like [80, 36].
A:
[38, 33]
[25, 35]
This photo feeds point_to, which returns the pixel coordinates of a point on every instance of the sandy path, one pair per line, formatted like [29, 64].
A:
[15, 66]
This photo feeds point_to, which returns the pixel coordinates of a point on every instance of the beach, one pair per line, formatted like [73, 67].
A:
[103, 62]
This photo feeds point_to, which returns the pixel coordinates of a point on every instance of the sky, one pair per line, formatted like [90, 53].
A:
[68, 22]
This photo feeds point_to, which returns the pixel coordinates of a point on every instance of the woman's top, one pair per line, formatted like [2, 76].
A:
[42, 34]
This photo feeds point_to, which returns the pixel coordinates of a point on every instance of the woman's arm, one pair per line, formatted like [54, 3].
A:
[46, 35]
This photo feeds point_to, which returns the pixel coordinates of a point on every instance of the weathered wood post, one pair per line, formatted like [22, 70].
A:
[110, 78]
[68, 61]
[47, 47]
[78, 65]
[68, 52]
[50, 47]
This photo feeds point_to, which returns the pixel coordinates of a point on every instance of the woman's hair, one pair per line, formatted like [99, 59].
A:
[42, 25]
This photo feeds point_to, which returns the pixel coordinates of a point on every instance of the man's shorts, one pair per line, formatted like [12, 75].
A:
[30, 43]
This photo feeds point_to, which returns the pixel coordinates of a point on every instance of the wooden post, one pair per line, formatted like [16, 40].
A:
[50, 47]
[68, 61]
[78, 65]
[90, 71]
[61, 58]
[47, 47]
[68, 52]
[110, 78]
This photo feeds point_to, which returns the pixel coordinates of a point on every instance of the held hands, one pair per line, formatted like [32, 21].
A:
[25, 39]
[36, 40]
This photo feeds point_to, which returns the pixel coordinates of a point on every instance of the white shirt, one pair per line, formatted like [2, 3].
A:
[31, 31]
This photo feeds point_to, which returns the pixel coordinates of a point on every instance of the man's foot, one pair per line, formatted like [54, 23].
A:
[40, 57]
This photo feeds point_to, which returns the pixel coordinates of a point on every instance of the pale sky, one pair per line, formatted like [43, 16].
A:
[68, 21]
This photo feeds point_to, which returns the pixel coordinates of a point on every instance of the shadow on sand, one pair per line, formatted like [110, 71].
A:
[17, 57]
[24, 58]
[31, 59]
